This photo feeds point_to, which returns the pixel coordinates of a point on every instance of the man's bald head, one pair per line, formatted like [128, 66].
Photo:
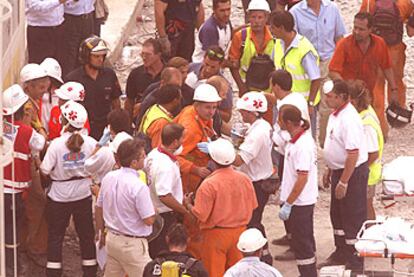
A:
[221, 85]
[171, 76]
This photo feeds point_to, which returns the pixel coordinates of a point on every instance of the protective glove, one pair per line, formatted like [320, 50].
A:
[106, 136]
[203, 147]
[285, 211]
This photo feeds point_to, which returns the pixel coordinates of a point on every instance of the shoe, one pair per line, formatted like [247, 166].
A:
[288, 255]
[281, 241]
[336, 258]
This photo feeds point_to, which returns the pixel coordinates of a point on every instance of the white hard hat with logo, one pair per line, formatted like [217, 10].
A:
[74, 113]
[71, 91]
[251, 240]
[222, 151]
[32, 71]
[118, 139]
[13, 99]
[52, 68]
[253, 102]
[258, 5]
[206, 93]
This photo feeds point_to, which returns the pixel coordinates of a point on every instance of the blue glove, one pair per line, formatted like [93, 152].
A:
[203, 147]
[285, 211]
[106, 136]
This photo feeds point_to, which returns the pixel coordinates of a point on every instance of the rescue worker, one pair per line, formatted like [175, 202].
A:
[346, 155]
[248, 43]
[375, 140]
[159, 115]
[70, 194]
[254, 157]
[223, 204]
[251, 244]
[27, 144]
[294, 53]
[164, 179]
[101, 84]
[299, 188]
[69, 91]
[197, 121]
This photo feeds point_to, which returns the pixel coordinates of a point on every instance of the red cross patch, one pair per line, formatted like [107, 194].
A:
[257, 104]
[73, 115]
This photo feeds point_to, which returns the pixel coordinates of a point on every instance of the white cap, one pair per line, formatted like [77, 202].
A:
[52, 68]
[252, 101]
[222, 151]
[118, 139]
[13, 98]
[328, 86]
[74, 113]
[71, 91]
[32, 71]
[206, 93]
[251, 240]
[259, 5]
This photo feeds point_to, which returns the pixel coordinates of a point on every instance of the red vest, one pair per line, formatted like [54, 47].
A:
[22, 159]
[55, 126]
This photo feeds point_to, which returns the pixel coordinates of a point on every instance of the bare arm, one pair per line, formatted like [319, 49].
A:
[349, 168]
[298, 187]
[159, 10]
[237, 78]
[149, 220]
[200, 16]
[99, 220]
[335, 75]
[372, 157]
[389, 75]
[315, 84]
[169, 201]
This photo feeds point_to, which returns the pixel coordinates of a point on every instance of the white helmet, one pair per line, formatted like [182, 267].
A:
[222, 151]
[251, 240]
[32, 71]
[118, 139]
[13, 98]
[328, 86]
[206, 93]
[258, 5]
[71, 91]
[52, 68]
[74, 113]
[253, 102]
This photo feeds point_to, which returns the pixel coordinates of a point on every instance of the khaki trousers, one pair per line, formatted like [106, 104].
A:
[324, 110]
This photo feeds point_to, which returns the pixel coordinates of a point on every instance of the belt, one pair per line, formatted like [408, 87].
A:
[80, 16]
[71, 179]
[125, 235]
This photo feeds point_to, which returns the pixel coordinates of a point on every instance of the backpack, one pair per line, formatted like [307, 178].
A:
[166, 268]
[387, 21]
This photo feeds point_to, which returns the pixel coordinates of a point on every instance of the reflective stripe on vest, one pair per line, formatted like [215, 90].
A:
[153, 113]
[16, 185]
[292, 62]
[249, 51]
[21, 156]
[369, 117]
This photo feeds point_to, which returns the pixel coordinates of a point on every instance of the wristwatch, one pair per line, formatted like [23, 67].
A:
[311, 103]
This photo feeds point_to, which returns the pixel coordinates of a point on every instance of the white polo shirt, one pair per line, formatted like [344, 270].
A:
[300, 157]
[344, 132]
[100, 163]
[163, 175]
[372, 139]
[281, 137]
[256, 151]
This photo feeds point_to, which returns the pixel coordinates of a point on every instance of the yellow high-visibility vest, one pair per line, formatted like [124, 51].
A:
[152, 114]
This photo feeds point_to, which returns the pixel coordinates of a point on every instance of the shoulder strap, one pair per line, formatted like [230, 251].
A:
[189, 263]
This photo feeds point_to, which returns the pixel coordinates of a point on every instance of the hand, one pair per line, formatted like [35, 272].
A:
[326, 178]
[285, 211]
[188, 199]
[106, 136]
[95, 189]
[340, 190]
[203, 147]
[203, 172]
[242, 89]
[101, 237]
[165, 45]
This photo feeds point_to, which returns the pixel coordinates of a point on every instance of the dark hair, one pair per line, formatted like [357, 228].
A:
[155, 43]
[128, 151]
[359, 92]
[283, 18]
[167, 93]
[119, 121]
[215, 53]
[75, 141]
[171, 132]
[365, 16]
[282, 78]
[177, 235]
[293, 114]
[341, 88]
[177, 62]
[216, 3]
[168, 73]
[19, 114]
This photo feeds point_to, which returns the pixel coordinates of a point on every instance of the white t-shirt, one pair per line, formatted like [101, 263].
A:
[163, 175]
[281, 137]
[256, 151]
[372, 139]
[300, 156]
[99, 164]
[63, 165]
[344, 132]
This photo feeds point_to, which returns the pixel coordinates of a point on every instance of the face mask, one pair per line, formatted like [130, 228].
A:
[179, 150]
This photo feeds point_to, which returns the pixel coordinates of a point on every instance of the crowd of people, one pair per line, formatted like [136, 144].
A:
[167, 182]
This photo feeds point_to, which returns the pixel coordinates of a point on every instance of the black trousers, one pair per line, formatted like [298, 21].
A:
[262, 198]
[58, 217]
[45, 42]
[76, 29]
[182, 45]
[349, 213]
[303, 242]
[159, 243]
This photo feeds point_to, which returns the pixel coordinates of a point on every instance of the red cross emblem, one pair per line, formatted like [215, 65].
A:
[257, 104]
[73, 115]
[70, 88]
[82, 95]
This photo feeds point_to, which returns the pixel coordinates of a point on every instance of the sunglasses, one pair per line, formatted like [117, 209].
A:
[214, 55]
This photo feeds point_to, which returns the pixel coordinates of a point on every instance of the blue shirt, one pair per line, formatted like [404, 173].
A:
[322, 29]
[79, 7]
[252, 267]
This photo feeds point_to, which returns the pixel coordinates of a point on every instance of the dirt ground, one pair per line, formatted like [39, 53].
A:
[400, 143]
